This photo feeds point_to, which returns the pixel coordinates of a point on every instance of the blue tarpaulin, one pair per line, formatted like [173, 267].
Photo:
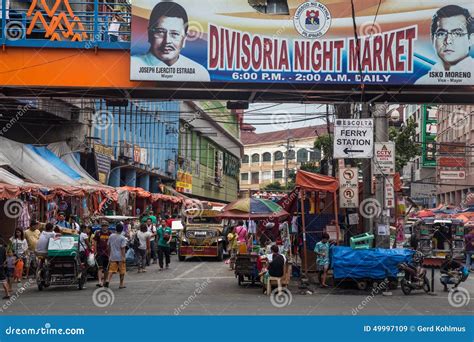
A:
[375, 263]
[55, 161]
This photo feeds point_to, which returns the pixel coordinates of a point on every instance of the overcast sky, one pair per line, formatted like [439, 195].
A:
[268, 117]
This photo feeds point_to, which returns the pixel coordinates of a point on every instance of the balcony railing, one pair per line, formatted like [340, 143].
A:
[85, 24]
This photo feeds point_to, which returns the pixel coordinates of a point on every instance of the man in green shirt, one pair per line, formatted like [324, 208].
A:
[150, 216]
[164, 235]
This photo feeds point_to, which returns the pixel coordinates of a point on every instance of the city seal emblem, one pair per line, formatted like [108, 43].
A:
[312, 20]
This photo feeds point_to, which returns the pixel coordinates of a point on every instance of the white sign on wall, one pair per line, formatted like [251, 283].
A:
[348, 187]
[384, 158]
[353, 138]
[389, 193]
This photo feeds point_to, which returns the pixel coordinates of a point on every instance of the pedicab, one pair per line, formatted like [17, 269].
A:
[62, 265]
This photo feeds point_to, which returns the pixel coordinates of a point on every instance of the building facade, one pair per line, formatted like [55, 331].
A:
[420, 172]
[456, 146]
[270, 157]
[209, 151]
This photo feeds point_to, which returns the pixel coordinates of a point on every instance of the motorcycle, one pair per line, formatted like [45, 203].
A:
[415, 276]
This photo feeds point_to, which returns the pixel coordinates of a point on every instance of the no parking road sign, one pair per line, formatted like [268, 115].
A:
[353, 138]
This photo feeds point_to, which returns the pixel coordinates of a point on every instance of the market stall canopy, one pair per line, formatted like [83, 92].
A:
[10, 178]
[142, 193]
[30, 165]
[253, 208]
[314, 182]
[425, 213]
[61, 150]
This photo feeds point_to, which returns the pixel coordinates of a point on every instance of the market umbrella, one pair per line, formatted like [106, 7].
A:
[253, 209]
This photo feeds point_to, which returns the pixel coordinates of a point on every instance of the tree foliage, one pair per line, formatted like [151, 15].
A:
[324, 143]
[406, 147]
[274, 186]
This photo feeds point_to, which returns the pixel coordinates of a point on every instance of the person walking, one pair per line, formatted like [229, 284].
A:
[3, 277]
[19, 247]
[143, 236]
[101, 248]
[164, 234]
[116, 245]
[32, 235]
[469, 239]
[153, 253]
[322, 258]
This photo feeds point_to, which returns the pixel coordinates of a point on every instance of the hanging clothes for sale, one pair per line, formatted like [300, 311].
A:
[294, 225]
[251, 227]
[24, 219]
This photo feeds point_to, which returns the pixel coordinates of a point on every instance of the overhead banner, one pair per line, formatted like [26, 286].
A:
[412, 42]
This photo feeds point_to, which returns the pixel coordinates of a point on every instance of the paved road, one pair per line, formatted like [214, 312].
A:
[207, 287]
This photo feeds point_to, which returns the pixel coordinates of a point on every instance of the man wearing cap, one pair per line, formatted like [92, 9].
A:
[32, 235]
[101, 248]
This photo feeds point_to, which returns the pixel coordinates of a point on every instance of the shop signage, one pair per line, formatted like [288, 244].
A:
[349, 187]
[242, 41]
[184, 182]
[103, 157]
[389, 193]
[451, 162]
[384, 159]
[136, 154]
[353, 138]
[452, 175]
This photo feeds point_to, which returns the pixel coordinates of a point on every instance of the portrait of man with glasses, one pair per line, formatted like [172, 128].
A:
[452, 34]
[167, 32]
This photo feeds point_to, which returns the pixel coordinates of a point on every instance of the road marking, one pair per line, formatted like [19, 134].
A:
[189, 271]
[173, 279]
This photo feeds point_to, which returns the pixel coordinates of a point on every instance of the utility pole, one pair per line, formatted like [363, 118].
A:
[366, 174]
[288, 147]
[381, 135]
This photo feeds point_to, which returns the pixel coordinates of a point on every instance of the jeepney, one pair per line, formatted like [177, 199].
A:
[202, 235]
[438, 237]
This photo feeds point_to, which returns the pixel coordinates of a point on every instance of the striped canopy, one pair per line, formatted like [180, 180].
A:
[253, 208]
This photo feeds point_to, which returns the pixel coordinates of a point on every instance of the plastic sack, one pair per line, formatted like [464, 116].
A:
[91, 260]
[130, 255]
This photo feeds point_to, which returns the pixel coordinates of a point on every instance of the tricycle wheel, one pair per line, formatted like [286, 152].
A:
[362, 285]
[241, 280]
[40, 286]
[406, 289]
[426, 285]
[220, 252]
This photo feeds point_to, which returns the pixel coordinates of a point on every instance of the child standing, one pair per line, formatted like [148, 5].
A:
[11, 259]
[18, 272]
[322, 258]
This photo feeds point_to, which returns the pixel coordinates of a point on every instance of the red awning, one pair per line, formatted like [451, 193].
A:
[315, 182]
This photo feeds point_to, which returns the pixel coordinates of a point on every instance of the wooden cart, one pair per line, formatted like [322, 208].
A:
[246, 268]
